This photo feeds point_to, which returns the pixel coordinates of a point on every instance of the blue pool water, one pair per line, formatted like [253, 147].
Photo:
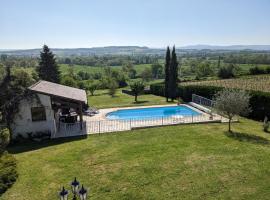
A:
[146, 113]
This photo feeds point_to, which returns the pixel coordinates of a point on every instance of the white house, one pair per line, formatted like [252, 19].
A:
[53, 110]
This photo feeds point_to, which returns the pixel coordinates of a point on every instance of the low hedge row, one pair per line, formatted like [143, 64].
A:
[259, 102]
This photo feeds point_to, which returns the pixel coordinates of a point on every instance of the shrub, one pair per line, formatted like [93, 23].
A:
[8, 173]
[4, 139]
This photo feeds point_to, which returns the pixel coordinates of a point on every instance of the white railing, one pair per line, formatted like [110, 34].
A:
[202, 100]
[105, 126]
[70, 129]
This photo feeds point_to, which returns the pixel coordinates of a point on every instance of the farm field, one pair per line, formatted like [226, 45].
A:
[176, 162]
[256, 83]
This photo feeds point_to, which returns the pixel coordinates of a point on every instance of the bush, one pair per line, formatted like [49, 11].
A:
[256, 70]
[8, 173]
[226, 72]
[4, 139]
[157, 89]
[259, 101]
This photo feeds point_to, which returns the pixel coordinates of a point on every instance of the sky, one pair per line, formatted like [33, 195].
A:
[26, 24]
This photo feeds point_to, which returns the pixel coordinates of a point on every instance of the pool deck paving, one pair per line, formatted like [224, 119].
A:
[100, 124]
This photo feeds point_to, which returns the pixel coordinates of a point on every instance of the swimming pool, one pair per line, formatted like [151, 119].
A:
[154, 112]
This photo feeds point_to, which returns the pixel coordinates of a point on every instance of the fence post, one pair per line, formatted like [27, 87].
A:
[99, 127]
[162, 120]
[130, 124]
[192, 117]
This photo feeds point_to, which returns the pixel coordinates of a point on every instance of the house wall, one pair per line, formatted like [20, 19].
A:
[23, 123]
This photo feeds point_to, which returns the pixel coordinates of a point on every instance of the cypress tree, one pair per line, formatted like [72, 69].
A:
[167, 73]
[48, 69]
[173, 79]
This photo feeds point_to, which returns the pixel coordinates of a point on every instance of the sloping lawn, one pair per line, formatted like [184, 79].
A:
[102, 99]
[177, 162]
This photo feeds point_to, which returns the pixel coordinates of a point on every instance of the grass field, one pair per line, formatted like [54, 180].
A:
[177, 162]
[102, 99]
[256, 83]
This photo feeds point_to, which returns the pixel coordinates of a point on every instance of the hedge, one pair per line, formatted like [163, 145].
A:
[259, 101]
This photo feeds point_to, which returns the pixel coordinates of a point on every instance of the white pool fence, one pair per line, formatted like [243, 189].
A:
[105, 126]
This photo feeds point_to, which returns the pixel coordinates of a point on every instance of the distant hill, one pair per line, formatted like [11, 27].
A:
[131, 50]
[231, 47]
[116, 50]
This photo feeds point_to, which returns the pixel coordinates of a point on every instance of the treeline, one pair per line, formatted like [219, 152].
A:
[109, 77]
[108, 60]
[19, 61]
[247, 58]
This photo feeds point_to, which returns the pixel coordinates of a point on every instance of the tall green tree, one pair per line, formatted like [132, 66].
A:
[48, 69]
[173, 75]
[167, 72]
[13, 88]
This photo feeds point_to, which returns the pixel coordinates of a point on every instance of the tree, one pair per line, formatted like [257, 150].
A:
[69, 81]
[13, 89]
[204, 69]
[173, 77]
[167, 72]
[157, 70]
[22, 78]
[137, 88]
[146, 74]
[129, 69]
[92, 86]
[226, 71]
[48, 69]
[112, 85]
[231, 102]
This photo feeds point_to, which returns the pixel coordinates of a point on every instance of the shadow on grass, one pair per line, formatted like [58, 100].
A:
[31, 145]
[245, 137]
[140, 102]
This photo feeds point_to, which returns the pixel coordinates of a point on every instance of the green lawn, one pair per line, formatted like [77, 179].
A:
[101, 99]
[177, 162]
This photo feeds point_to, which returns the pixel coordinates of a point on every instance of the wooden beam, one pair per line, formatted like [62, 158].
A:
[81, 116]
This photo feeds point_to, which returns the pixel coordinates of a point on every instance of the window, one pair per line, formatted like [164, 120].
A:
[38, 114]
